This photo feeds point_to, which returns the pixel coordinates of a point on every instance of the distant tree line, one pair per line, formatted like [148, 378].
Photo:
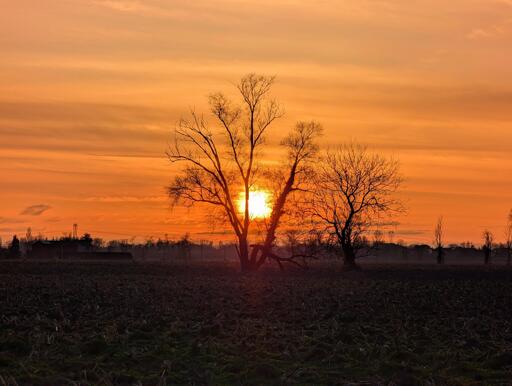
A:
[292, 241]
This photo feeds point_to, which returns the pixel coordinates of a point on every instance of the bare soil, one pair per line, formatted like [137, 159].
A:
[204, 323]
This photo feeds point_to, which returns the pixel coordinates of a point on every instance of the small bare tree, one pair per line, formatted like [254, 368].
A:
[220, 164]
[508, 237]
[378, 238]
[487, 246]
[354, 188]
[292, 240]
[391, 236]
[438, 240]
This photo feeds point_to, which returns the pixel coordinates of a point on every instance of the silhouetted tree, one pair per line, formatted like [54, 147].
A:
[508, 237]
[353, 188]
[28, 236]
[391, 236]
[378, 241]
[98, 243]
[487, 246]
[438, 240]
[378, 238]
[185, 246]
[86, 237]
[292, 240]
[220, 164]
[14, 248]
[302, 148]
[87, 240]
[315, 243]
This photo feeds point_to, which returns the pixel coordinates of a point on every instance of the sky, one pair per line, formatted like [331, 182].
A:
[91, 90]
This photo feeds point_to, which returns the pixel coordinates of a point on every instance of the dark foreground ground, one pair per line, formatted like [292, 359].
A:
[92, 323]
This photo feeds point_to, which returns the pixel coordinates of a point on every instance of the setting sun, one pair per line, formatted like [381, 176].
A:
[259, 204]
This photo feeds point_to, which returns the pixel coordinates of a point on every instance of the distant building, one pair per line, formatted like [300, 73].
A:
[58, 249]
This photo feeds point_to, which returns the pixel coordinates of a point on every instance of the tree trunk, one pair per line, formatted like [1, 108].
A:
[440, 255]
[265, 250]
[349, 259]
[246, 265]
[487, 257]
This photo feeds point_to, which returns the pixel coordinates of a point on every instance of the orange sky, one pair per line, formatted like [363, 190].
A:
[91, 89]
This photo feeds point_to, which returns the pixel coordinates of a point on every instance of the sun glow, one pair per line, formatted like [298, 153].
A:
[259, 204]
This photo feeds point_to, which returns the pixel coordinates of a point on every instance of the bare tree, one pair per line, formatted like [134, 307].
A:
[438, 240]
[353, 189]
[292, 240]
[391, 236]
[302, 149]
[508, 237]
[220, 164]
[378, 241]
[488, 245]
[378, 238]
[14, 249]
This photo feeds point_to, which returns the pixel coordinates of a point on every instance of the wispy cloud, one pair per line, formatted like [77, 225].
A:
[9, 230]
[483, 33]
[121, 5]
[126, 199]
[491, 31]
[6, 220]
[53, 220]
[35, 210]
